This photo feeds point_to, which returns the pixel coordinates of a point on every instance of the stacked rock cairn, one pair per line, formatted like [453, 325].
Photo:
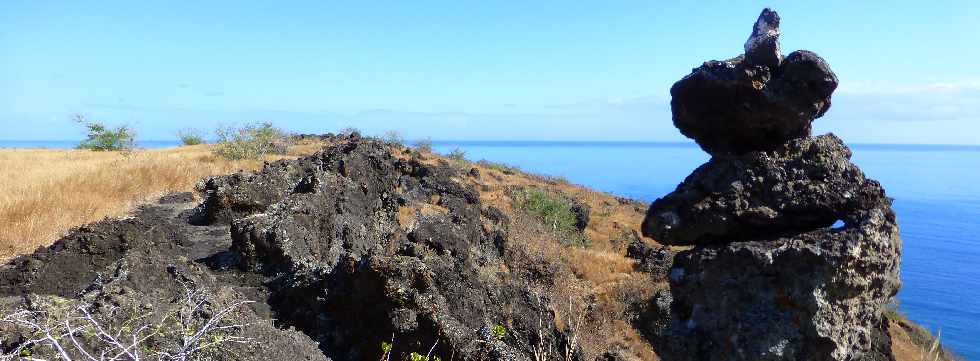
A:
[791, 251]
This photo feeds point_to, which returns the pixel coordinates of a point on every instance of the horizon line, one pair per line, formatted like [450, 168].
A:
[526, 142]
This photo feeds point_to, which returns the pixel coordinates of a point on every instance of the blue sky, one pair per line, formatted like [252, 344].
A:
[561, 70]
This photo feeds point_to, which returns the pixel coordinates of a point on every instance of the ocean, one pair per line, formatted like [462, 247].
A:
[936, 191]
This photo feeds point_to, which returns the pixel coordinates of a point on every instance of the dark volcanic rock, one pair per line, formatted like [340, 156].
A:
[344, 249]
[142, 266]
[806, 184]
[343, 263]
[656, 261]
[812, 296]
[762, 47]
[747, 103]
[768, 278]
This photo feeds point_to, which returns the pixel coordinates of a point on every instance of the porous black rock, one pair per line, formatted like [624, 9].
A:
[753, 101]
[762, 47]
[771, 275]
[816, 295]
[805, 184]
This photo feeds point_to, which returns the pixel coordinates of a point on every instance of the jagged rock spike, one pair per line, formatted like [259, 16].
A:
[762, 47]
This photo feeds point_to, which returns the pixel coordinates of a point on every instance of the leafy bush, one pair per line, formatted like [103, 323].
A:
[252, 141]
[190, 136]
[554, 209]
[101, 138]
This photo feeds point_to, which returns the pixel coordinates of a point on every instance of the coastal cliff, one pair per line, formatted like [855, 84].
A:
[371, 250]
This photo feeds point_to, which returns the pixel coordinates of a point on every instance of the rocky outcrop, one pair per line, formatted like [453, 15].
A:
[141, 271]
[795, 250]
[360, 243]
[756, 101]
[344, 264]
[805, 184]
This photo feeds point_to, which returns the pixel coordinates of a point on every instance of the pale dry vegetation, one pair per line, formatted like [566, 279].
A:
[46, 192]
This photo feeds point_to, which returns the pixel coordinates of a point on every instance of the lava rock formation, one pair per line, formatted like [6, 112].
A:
[795, 250]
[756, 101]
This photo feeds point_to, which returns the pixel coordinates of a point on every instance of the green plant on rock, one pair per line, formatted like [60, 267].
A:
[498, 332]
[415, 356]
[385, 351]
[102, 138]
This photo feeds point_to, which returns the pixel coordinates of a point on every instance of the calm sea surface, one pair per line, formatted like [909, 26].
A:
[936, 191]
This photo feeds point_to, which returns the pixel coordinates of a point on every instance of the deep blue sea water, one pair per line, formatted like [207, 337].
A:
[936, 191]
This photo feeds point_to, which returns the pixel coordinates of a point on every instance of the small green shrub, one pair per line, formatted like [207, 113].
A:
[555, 210]
[252, 141]
[190, 136]
[458, 155]
[349, 131]
[101, 138]
[415, 356]
[424, 145]
[500, 167]
[393, 137]
[559, 179]
[499, 332]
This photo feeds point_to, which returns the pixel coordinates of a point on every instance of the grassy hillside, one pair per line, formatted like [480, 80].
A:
[45, 192]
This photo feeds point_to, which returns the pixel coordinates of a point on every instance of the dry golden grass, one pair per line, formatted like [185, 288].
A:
[46, 192]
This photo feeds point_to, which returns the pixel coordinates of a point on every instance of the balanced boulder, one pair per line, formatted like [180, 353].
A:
[806, 184]
[795, 252]
[753, 101]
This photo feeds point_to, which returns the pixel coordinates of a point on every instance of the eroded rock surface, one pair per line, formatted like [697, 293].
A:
[748, 103]
[772, 274]
[816, 295]
[807, 183]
